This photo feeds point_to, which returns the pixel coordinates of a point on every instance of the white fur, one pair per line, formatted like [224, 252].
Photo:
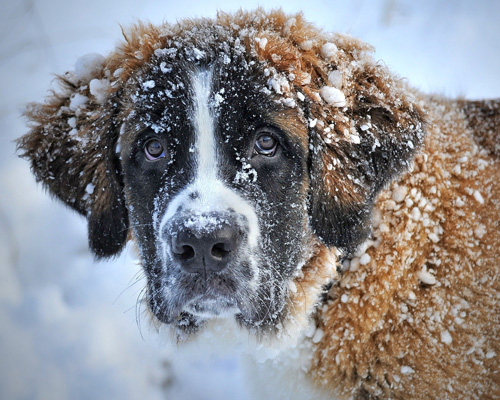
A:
[213, 194]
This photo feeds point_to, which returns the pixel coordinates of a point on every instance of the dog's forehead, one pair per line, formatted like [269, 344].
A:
[161, 96]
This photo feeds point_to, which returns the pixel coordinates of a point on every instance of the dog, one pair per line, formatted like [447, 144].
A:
[278, 179]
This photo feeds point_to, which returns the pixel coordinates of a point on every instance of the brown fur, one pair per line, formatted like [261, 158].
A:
[388, 333]
[391, 319]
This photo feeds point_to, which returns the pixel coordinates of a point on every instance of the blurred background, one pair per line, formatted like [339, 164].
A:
[69, 327]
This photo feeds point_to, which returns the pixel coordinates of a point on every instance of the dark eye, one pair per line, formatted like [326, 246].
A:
[154, 150]
[266, 144]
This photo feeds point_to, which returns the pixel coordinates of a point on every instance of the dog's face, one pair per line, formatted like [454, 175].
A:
[239, 154]
[216, 184]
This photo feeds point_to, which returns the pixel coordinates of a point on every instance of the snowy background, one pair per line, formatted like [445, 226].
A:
[68, 326]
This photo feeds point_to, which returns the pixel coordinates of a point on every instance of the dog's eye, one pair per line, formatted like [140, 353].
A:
[265, 145]
[154, 150]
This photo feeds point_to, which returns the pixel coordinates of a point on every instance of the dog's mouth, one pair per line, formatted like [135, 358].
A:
[205, 296]
[212, 306]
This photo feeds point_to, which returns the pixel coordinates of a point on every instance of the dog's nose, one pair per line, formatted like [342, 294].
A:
[205, 250]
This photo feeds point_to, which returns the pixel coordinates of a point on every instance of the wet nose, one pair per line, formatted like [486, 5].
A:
[206, 250]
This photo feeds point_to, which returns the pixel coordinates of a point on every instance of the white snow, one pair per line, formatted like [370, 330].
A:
[478, 197]
[446, 337]
[289, 102]
[149, 84]
[78, 101]
[262, 42]
[406, 370]
[88, 66]
[329, 50]
[318, 335]
[335, 79]
[426, 277]
[399, 193]
[364, 259]
[99, 88]
[333, 96]
[306, 45]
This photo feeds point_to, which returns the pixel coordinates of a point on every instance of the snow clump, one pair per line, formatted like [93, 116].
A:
[99, 88]
[446, 337]
[333, 96]
[149, 84]
[262, 42]
[77, 101]
[306, 45]
[335, 79]
[88, 67]
[329, 50]
[426, 277]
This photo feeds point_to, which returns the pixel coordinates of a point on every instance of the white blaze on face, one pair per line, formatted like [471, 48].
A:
[212, 195]
[204, 125]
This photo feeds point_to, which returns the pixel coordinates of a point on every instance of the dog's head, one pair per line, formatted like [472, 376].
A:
[242, 155]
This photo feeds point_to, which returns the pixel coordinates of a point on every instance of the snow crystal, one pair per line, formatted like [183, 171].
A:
[446, 337]
[354, 264]
[416, 214]
[328, 50]
[480, 231]
[479, 198]
[407, 370]
[335, 79]
[306, 45]
[279, 84]
[289, 102]
[344, 298]
[399, 193]
[383, 228]
[364, 259]
[77, 101]
[434, 237]
[313, 122]
[288, 25]
[333, 96]
[99, 88]
[72, 122]
[490, 354]
[88, 66]
[300, 96]
[318, 335]
[262, 42]
[90, 188]
[355, 139]
[218, 99]
[426, 277]
[118, 72]
[164, 68]
[149, 84]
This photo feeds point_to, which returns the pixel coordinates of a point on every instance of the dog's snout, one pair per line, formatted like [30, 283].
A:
[205, 250]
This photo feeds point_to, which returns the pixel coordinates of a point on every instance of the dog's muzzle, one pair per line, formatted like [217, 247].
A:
[204, 243]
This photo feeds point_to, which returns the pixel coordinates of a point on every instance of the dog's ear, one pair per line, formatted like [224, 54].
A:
[71, 146]
[365, 132]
